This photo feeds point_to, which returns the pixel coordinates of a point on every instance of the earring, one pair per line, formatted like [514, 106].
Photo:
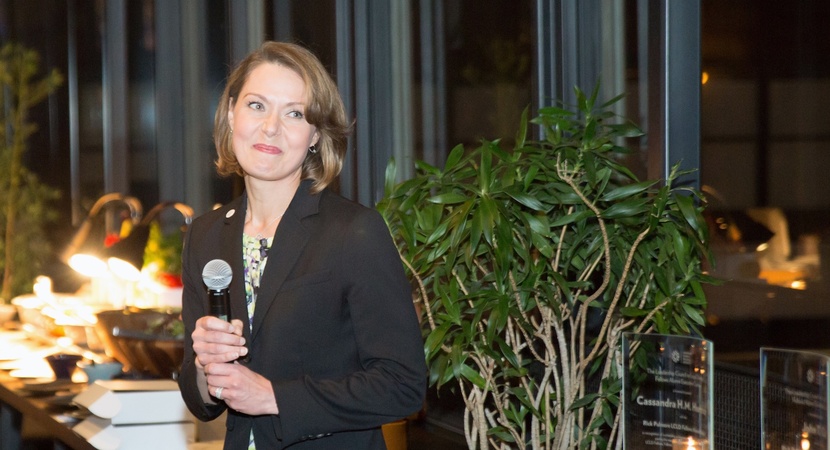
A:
[313, 150]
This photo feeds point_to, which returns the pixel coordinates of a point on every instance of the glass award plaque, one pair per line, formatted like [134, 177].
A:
[794, 399]
[667, 397]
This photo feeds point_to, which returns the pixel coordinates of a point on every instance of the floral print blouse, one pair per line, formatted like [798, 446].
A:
[254, 257]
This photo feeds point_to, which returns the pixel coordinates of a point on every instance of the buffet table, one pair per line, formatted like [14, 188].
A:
[131, 412]
[17, 406]
[29, 397]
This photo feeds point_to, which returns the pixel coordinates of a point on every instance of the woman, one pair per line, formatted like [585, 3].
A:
[324, 345]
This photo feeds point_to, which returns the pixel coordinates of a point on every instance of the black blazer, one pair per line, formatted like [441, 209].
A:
[334, 327]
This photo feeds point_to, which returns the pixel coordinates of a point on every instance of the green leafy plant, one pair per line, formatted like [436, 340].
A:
[163, 252]
[528, 265]
[24, 199]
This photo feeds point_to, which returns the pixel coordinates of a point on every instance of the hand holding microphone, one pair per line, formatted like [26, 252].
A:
[217, 275]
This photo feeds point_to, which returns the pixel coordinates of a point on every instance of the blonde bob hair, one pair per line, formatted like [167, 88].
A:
[325, 111]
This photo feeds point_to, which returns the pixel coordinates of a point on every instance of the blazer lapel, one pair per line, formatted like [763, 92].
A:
[288, 244]
[230, 242]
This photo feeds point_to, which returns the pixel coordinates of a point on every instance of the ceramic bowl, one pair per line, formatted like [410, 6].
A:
[100, 371]
[7, 312]
[138, 338]
[63, 364]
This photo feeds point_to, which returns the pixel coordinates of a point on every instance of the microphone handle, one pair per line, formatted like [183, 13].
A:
[219, 304]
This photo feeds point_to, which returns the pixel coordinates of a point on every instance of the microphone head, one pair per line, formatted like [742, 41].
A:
[217, 274]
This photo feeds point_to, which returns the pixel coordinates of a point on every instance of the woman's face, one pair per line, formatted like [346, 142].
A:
[270, 134]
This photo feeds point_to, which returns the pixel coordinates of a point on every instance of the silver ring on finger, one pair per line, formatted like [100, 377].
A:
[218, 393]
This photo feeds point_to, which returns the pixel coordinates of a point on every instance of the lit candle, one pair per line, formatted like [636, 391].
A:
[43, 287]
[688, 443]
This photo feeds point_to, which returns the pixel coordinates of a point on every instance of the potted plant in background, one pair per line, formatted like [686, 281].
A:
[163, 253]
[24, 199]
[528, 266]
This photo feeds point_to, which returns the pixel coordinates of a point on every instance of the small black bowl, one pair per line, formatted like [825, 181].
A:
[63, 364]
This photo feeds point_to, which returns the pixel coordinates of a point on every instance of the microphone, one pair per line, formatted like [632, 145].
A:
[217, 276]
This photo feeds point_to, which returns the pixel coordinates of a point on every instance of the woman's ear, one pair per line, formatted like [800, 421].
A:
[230, 114]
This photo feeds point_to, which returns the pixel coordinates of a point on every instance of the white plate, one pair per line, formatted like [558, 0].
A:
[33, 369]
[51, 386]
[31, 374]
[12, 352]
